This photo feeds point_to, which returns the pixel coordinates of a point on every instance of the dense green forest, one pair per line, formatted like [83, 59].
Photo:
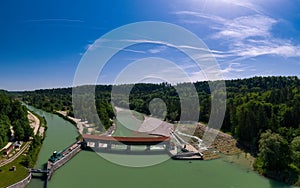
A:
[13, 114]
[262, 113]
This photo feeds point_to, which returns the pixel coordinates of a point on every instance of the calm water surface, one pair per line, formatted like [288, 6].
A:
[89, 170]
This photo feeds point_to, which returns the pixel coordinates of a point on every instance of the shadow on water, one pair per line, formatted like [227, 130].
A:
[276, 184]
[121, 152]
[41, 176]
[125, 152]
[289, 175]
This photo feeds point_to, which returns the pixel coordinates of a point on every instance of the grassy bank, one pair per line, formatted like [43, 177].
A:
[65, 117]
[8, 176]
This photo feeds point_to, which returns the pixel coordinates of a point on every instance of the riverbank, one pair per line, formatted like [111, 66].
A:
[14, 168]
[83, 127]
[223, 144]
[34, 122]
[64, 115]
[9, 176]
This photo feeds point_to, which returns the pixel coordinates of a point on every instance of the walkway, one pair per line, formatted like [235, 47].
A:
[34, 122]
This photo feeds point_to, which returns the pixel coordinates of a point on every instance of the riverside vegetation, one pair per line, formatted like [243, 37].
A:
[262, 114]
[14, 126]
[13, 115]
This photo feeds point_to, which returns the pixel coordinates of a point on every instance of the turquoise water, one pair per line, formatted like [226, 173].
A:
[88, 169]
[127, 123]
[60, 134]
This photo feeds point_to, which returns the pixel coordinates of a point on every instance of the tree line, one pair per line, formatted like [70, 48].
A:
[14, 124]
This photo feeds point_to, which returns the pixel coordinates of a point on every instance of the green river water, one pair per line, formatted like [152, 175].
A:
[89, 170]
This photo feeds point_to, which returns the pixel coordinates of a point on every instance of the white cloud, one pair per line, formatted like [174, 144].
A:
[245, 3]
[157, 49]
[105, 43]
[99, 46]
[285, 50]
[245, 27]
[200, 15]
[167, 44]
[55, 20]
[234, 67]
[246, 36]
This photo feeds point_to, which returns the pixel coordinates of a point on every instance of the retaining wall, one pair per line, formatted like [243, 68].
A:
[22, 183]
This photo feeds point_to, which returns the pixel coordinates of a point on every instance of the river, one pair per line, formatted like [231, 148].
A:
[88, 169]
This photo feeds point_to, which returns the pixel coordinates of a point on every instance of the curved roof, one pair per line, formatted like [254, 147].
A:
[126, 139]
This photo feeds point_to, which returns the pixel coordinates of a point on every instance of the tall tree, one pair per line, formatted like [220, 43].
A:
[295, 147]
[274, 151]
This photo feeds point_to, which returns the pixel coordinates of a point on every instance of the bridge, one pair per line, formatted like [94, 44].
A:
[39, 171]
[106, 142]
[44, 172]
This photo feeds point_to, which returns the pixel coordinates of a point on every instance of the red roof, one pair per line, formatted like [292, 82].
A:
[126, 139]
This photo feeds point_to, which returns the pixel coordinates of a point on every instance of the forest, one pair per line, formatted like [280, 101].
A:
[13, 115]
[262, 113]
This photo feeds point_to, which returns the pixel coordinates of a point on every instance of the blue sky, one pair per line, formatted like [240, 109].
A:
[42, 42]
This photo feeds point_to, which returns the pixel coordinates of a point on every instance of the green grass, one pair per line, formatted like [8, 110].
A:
[8, 177]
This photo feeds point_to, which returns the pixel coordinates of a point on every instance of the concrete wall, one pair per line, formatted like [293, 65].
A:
[64, 160]
[58, 164]
[22, 183]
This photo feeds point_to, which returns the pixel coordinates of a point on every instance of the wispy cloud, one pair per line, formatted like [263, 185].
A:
[245, 4]
[98, 46]
[157, 49]
[234, 67]
[164, 43]
[284, 49]
[129, 50]
[245, 27]
[246, 36]
[55, 20]
[199, 15]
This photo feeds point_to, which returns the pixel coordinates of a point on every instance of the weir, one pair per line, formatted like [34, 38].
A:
[110, 143]
[113, 144]
[59, 159]
[39, 171]
[53, 165]
[44, 172]
[106, 142]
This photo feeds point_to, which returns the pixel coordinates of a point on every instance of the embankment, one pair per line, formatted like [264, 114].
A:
[22, 183]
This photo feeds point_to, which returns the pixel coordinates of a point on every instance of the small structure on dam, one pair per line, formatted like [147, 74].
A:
[58, 159]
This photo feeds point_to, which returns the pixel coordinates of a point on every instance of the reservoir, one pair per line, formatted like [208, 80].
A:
[88, 169]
